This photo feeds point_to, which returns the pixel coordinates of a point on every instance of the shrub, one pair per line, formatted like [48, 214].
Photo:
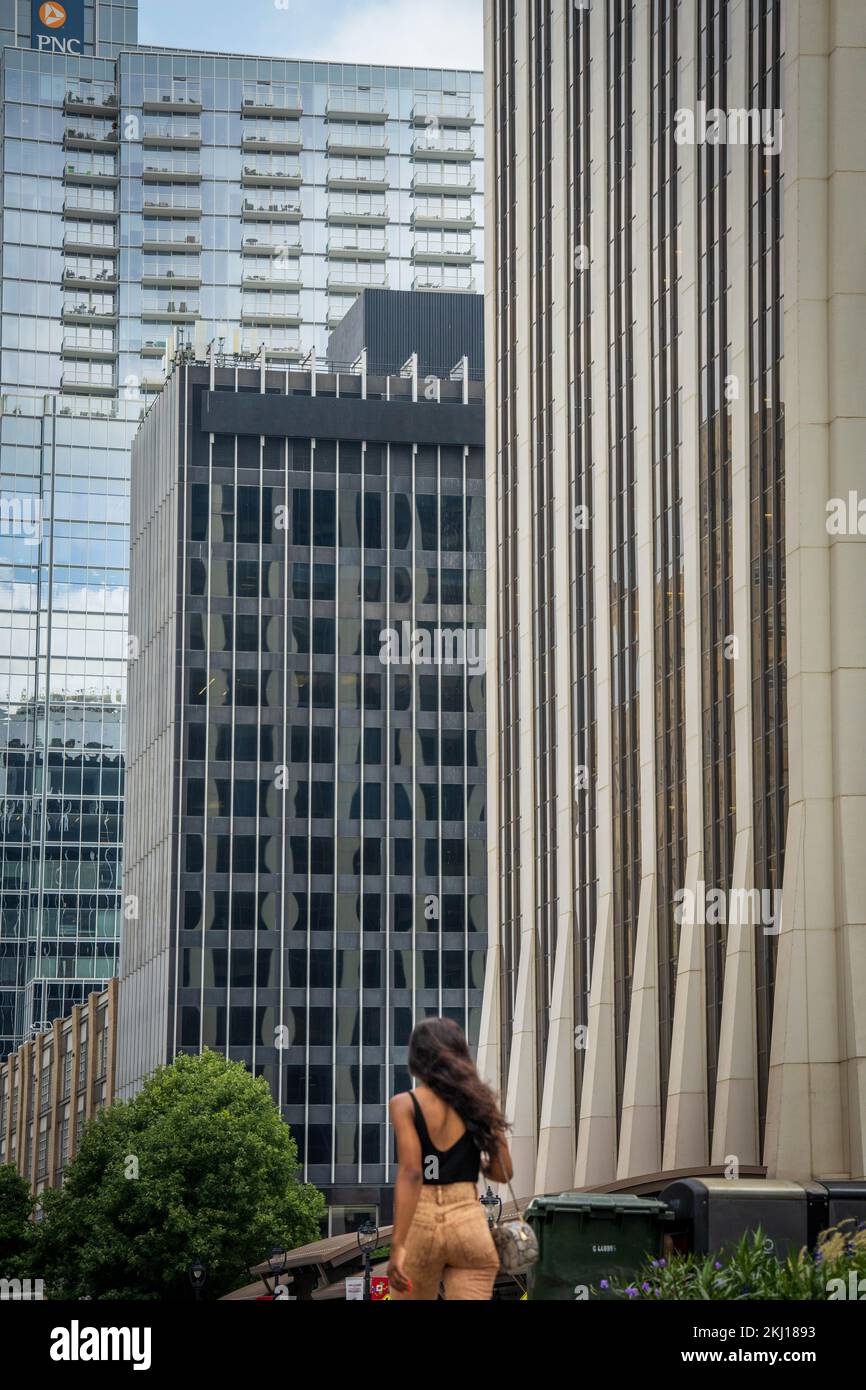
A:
[750, 1272]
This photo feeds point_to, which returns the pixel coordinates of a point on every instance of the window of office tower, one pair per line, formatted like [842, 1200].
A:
[717, 621]
[767, 499]
[581, 561]
[622, 517]
[667, 503]
[334, 854]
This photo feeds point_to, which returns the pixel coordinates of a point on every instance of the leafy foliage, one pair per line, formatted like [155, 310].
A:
[16, 1204]
[198, 1165]
[749, 1272]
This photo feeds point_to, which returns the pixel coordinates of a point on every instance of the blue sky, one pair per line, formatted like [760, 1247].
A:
[417, 33]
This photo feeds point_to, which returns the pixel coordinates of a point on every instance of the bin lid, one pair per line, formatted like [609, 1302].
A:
[597, 1203]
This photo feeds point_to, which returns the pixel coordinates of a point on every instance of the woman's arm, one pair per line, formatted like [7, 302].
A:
[500, 1168]
[407, 1187]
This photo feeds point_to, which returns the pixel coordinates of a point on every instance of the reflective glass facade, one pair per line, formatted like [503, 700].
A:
[64, 541]
[154, 197]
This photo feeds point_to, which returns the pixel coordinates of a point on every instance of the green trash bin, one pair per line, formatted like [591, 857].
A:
[585, 1237]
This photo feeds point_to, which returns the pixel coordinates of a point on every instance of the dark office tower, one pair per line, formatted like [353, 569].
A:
[675, 421]
[305, 842]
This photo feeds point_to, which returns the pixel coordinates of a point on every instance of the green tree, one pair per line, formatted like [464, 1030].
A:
[16, 1204]
[198, 1165]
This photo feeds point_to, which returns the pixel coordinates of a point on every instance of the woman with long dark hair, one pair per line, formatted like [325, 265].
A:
[448, 1130]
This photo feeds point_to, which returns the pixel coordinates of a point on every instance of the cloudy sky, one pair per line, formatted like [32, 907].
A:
[416, 33]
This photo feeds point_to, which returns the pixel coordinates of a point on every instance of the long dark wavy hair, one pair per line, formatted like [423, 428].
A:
[439, 1056]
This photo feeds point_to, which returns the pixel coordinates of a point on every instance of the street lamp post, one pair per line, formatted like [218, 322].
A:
[368, 1239]
[277, 1263]
[492, 1206]
[197, 1273]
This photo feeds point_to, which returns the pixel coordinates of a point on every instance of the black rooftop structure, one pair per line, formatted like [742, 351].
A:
[393, 324]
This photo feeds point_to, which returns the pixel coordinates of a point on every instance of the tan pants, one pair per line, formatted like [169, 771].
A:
[449, 1241]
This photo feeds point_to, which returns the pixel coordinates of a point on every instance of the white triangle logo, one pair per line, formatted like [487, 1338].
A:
[52, 16]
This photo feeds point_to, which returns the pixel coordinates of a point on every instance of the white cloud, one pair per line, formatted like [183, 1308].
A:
[436, 34]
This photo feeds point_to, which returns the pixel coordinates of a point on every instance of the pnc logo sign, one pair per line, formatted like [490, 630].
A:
[58, 28]
[52, 16]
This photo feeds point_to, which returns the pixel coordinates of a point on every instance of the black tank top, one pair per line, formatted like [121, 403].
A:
[460, 1163]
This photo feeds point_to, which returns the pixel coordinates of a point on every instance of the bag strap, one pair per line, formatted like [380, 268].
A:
[517, 1211]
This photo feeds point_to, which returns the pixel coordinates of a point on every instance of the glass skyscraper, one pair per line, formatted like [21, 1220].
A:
[150, 197]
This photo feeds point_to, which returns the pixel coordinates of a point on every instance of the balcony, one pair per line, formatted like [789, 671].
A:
[156, 278]
[339, 280]
[91, 172]
[277, 279]
[83, 137]
[445, 219]
[276, 100]
[374, 179]
[78, 348]
[80, 383]
[274, 308]
[285, 351]
[86, 312]
[152, 382]
[153, 347]
[443, 144]
[170, 173]
[252, 246]
[369, 215]
[179, 99]
[349, 104]
[154, 206]
[180, 241]
[344, 144]
[172, 311]
[271, 144]
[443, 256]
[336, 316]
[75, 245]
[270, 212]
[90, 280]
[164, 137]
[357, 250]
[454, 179]
[260, 176]
[456, 111]
[76, 207]
[95, 100]
[285, 354]
[435, 284]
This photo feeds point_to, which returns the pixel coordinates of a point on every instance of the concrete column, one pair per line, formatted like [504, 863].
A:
[640, 1128]
[685, 1143]
[816, 1119]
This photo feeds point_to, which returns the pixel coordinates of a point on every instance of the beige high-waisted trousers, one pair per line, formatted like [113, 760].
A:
[449, 1241]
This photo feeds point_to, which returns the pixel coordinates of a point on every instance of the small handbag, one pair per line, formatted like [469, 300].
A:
[516, 1242]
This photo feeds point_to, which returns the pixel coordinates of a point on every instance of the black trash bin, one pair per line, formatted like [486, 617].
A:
[845, 1201]
[712, 1214]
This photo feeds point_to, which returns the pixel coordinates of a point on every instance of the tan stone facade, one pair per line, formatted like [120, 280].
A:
[676, 344]
[53, 1084]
